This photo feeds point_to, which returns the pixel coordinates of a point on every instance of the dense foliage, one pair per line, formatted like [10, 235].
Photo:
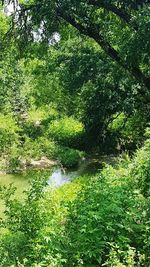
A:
[62, 74]
[97, 221]
[74, 83]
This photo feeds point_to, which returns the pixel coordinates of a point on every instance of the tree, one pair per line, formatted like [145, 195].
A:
[116, 26]
[93, 87]
[90, 72]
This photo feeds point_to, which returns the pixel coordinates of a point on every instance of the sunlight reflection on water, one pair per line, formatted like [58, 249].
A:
[59, 177]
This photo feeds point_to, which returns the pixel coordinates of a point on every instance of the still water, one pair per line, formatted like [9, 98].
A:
[57, 177]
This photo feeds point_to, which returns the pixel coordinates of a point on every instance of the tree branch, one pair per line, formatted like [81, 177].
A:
[138, 3]
[93, 32]
[108, 6]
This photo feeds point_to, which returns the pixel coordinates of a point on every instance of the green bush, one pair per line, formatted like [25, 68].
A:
[111, 209]
[31, 149]
[140, 168]
[33, 232]
[43, 146]
[104, 214]
[120, 258]
[69, 157]
[14, 159]
[39, 147]
[42, 114]
[33, 131]
[37, 121]
[46, 146]
[8, 132]
[67, 131]
[129, 130]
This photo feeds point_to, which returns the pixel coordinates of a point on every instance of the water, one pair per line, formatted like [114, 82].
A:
[61, 176]
[58, 177]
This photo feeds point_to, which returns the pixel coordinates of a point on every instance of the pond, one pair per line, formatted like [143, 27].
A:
[57, 177]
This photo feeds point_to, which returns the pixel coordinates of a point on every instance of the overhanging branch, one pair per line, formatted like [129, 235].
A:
[92, 32]
[112, 8]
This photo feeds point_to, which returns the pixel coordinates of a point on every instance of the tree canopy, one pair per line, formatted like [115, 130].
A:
[89, 59]
[119, 27]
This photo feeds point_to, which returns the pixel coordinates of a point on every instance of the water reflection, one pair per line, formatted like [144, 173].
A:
[59, 177]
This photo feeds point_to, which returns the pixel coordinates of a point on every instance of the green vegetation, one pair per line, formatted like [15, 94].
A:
[93, 221]
[20, 182]
[67, 131]
[8, 132]
[74, 88]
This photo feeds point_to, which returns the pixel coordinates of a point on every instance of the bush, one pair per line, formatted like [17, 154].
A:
[104, 214]
[37, 121]
[120, 258]
[39, 147]
[47, 147]
[14, 159]
[33, 131]
[140, 169]
[69, 157]
[42, 146]
[42, 114]
[67, 131]
[129, 130]
[8, 133]
[111, 209]
[33, 232]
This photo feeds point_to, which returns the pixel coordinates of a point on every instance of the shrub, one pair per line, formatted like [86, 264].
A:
[140, 169]
[37, 121]
[67, 131]
[97, 221]
[33, 131]
[8, 132]
[69, 157]
[39, 147]
[42, 114]
[46, 146]
[120, 258]
[129, 129]
[106, 213]
[33, 229]
[13, 160]
[111, 210]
